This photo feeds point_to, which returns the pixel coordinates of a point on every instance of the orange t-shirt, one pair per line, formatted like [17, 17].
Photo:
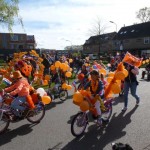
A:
[21, 87]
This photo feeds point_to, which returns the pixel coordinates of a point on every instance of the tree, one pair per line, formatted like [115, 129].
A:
[9, 13]
[143, 14]
[98, 29]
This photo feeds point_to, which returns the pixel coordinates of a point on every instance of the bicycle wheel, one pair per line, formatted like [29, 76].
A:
[36, 115]
[4, 123]
[63, 95]
[107, 114]
[78, 124]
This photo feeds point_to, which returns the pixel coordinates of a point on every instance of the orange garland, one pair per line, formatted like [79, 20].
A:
[94, 85]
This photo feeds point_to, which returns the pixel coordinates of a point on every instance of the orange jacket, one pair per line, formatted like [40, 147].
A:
[21, 87]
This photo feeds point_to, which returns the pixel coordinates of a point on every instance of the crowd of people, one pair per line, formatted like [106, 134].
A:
[84, 70]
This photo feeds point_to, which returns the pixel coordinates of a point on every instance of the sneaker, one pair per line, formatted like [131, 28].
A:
[99, 121]
[124, 109]
[137, 102]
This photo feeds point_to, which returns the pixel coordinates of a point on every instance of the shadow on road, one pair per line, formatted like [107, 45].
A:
[119, 99]
[53, 104]
[10, 134]
[56, 102]
[97, 138]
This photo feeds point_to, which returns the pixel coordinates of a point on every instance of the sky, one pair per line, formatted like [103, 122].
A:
[60, 23]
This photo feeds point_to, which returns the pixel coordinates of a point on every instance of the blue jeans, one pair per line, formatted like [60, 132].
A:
[132, 86]
[17, 102]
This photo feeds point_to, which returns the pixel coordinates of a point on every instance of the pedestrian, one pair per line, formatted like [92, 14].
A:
[46, 64]
[131, 83]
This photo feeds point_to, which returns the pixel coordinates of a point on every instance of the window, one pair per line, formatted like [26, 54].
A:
[12, 46]
[146, 40]
[30, 38]
[132, 30]
[14, 37]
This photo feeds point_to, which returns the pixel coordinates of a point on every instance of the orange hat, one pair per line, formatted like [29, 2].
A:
[17, 74]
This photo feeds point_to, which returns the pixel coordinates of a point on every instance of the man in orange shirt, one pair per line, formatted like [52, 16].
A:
[20, 88]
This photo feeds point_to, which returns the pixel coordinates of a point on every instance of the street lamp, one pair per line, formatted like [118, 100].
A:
[114, 23]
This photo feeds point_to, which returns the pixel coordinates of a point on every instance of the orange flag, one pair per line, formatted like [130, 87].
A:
[132, 60]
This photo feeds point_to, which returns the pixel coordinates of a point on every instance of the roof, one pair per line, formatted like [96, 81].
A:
[134, 31]
[102, 37]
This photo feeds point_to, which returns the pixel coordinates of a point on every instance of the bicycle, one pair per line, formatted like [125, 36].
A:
[81, 120]
[60, 93]
[7, 114]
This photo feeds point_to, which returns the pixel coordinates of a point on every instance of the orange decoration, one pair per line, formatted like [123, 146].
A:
[102, 71]
[111, 74]
[77, 98]
[81, 76]
[52, 67]
[115, 88]
[125, 72]
[132, 60]
[119, 75]
[57, 64]
[69, 87]
[68, 74]
[109, 79]
[84, 106]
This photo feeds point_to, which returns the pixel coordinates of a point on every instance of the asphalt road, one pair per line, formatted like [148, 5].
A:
[53, 133]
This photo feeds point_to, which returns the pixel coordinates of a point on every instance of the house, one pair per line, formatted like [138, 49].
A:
[17, 41]
[99, 44]
[134, 38]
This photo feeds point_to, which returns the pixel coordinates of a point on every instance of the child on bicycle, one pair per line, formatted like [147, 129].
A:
[97, 89]
[56, 80]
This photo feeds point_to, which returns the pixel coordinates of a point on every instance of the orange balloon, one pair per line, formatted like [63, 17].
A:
[111, 74]
[52, 67]
[102, 71]
[68, 74]
[84, 106]
[125, 72]
[46, 100]
[77, 97]
[64, 85]
[109, 79]
[115, 88]
[119, 75]
[69, 87]
[57, 64]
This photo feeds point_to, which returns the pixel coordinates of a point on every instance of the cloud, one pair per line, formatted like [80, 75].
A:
[52, 20]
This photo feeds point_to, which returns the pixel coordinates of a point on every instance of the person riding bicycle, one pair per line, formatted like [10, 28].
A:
[20, 87]
[97, 89]
[56, 80]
